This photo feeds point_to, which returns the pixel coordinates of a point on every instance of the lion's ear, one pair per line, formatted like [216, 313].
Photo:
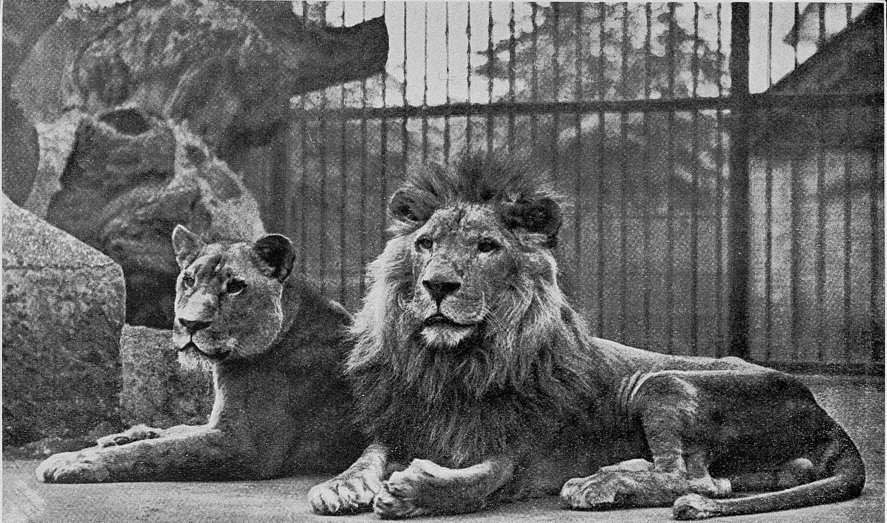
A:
[186, 245]
[407, 207]
[542, 216]
[275, 255]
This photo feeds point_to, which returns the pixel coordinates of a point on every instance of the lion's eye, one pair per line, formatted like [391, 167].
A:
[488, 245]
[188, 280]
[424, 243]
[235, 287]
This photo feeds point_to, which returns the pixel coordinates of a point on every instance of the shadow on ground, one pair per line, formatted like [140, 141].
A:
[857, 403]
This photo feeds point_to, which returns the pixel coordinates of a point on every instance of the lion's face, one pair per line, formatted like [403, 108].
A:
[464, 264]
[228, 297]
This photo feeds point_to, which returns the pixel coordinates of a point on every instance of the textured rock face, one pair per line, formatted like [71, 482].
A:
[134, 105]
[63, 310]
[128, 179]
[155, 390]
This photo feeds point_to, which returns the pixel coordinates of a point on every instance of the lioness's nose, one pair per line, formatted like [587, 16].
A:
[194, 326]
[440, 289]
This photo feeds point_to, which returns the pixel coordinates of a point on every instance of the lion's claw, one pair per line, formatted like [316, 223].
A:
[345, 495]
[136, 433]
[399, 495]
[694, 506]
[590, 493]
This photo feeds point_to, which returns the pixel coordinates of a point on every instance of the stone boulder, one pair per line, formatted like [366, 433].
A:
[63, 311]
[136, 109]
[126, 179]
[156, 391]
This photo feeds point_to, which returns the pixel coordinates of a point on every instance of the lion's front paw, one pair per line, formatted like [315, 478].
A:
[345, 494]
[136, 433]
[694, 506]
[399, 497]
[597, 492]
[72, 467]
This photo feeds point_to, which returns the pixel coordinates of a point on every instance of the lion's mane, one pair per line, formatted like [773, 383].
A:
[519, 376]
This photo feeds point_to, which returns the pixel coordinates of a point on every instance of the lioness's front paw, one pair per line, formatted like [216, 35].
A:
[136, 433]
[72, 467]
[399, 496]
[345, 494]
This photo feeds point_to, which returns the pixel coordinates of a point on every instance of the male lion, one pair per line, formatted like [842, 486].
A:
[472, 368]
[276, 347]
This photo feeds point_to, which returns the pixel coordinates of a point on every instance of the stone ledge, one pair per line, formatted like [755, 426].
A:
[63, 309]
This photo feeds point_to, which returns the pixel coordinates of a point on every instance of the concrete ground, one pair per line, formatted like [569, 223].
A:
[857, 403]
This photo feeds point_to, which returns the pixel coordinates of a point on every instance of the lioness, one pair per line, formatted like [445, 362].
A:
[276, 348]
[479, 382]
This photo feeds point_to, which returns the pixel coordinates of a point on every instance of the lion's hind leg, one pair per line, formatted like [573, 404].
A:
[668, 407]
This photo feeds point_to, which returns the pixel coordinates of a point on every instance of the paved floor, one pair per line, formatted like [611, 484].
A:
[857, 403]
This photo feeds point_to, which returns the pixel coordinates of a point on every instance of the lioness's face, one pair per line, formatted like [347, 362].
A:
[228, 300]
[464, 260]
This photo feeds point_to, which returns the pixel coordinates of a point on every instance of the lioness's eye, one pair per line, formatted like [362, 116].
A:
[424, 243]
[235, 287]
[188, 280]
[487, 245]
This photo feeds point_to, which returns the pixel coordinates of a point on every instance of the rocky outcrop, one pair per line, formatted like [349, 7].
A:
[137, 106]
[227, 67]
[62, 317]
[156, 391]
[127, 179]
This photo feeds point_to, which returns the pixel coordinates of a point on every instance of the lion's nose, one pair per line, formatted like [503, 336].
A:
[440, 289]
[194, 326]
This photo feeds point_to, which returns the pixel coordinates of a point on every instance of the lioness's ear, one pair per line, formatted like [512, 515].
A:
[408, 208]
[186, 245]
[275, 255]
[542, 215]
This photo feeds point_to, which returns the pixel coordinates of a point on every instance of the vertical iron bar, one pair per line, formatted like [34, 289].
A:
[490, 74]
[361, 218]
[446, 136]
[468, 77]
[425, 90]
[623, 176]
[646, 198]
[383, 158]
[669, 197]
[848, 244]
[323, 174]
[602, 133]
[694, 207]
[303, 219]
[555, 124]
[820, 233]
[534, 79]
[719, 194]
[577, 200]
[768, 202]
[876, 193]
[740, 206]
[343, 192]
[512, 59]
[404, 134]
[795, 224]
[820, 210]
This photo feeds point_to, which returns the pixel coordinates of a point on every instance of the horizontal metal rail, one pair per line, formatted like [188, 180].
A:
[505, 108]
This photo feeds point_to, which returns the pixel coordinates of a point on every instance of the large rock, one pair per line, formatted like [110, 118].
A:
[137, 107]
[63, 310]
[155, 390]
[127, 179]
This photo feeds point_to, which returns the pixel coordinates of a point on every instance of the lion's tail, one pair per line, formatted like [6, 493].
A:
[845, 481]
